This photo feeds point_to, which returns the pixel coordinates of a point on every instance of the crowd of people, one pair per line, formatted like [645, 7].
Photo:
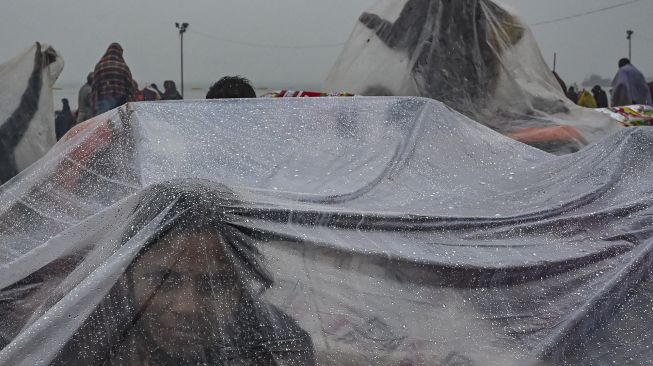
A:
[629, 87]
[111, 84]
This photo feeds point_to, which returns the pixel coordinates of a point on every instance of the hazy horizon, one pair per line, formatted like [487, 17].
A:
[224, 37]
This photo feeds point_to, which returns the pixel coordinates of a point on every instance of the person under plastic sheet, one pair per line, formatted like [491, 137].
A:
[191, 296]
[600, 96]
[459, 64]
[629, 86]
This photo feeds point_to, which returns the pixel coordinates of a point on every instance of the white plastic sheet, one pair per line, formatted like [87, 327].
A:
[26, 108]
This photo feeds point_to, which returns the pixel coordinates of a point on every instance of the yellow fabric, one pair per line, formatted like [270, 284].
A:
[586, 100]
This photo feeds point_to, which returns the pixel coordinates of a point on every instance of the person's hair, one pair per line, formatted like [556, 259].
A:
[623, 62]
[89, 78]
[195, 205]
[231, 87]
[169, 84]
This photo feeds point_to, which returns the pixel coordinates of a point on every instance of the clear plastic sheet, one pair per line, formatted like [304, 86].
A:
[477, 56]
[327, 231]
[26, 108]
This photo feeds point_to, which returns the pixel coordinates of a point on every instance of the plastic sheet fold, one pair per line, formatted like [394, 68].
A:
[325, 231]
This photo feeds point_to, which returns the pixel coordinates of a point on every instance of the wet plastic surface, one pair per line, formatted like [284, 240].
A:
[329, 231]
[477, 56]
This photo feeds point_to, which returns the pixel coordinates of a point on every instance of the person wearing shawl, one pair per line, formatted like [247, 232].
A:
[64, 120]
[629, 86]
[113, 84]
[170, 91]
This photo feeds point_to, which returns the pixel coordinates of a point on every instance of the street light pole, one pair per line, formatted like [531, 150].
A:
[182, 29]
[630, 44]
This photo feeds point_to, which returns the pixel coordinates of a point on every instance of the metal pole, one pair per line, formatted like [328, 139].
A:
[182, 65]
[630, 45]
[182, 29]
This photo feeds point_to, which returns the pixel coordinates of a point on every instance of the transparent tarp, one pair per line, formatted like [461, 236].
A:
[477, 56]
[326, 231]
[26, 108]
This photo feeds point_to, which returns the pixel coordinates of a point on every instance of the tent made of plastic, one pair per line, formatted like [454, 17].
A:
[477, 56]
[324, 231]
[26, 108]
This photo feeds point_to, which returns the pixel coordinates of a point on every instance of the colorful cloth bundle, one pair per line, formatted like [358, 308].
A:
[632, 115]
[303, 94]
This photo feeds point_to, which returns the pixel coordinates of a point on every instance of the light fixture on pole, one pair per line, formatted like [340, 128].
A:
[630, 45]
[182, 29]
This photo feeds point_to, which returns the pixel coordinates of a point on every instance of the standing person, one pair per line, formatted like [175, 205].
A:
[64, 120]
[629, 86]
[151, 93]
[600, 96]
[585, 99]
[572, 94]
[84, 102]
[156, 88]
[231, 87]
[113, 84]
[170, 91]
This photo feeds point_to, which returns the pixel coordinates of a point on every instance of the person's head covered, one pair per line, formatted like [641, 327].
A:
[231, 87]
[169, 85]
[114, 49]
[192, 292]
[191, 280]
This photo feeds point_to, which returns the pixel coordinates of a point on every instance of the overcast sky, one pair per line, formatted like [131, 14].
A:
[81, 31]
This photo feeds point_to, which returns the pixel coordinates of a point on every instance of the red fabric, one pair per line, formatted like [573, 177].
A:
[302, 94]
[546, 134]
[78, 159]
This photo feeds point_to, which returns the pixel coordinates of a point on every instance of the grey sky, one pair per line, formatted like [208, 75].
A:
[81, 31]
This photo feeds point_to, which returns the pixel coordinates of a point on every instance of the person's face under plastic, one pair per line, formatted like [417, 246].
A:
[187, 291]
